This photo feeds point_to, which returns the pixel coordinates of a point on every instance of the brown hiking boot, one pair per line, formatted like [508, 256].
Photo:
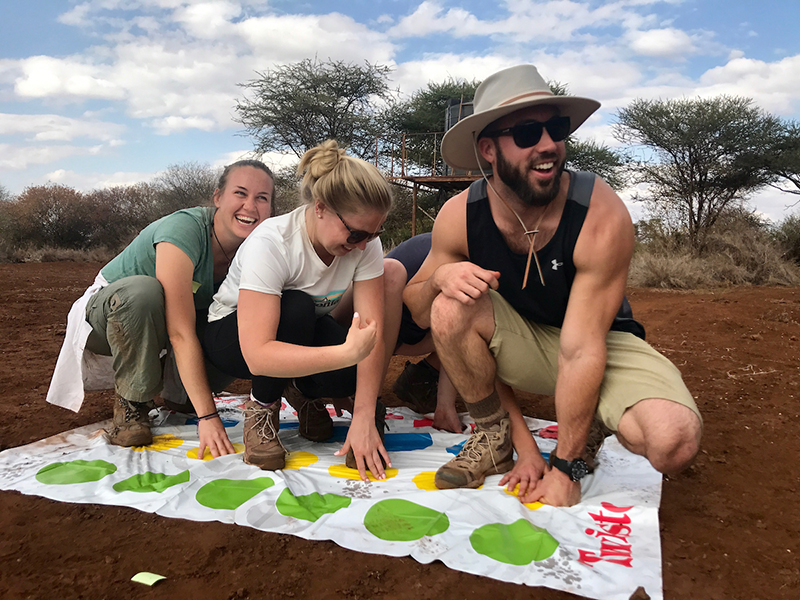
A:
[380, 425]
[131, 423]
[417, 386]
[262, 446]
[314, 420]
[486, 452]
[597, 435]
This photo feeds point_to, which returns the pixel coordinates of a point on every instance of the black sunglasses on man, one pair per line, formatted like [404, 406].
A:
[529, 133]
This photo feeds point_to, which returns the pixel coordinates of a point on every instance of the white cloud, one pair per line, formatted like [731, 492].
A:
[774, 86]
[430, 17]
[50, 127]
[91, 181]
[274, 160]
[290, 38]
[208, 20]
[661, 43]
[174, 124]
[43, 76]
[16, 158]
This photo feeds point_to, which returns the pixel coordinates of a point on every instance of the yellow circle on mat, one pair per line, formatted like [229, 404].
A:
[425, 481]
[299, 459]
[239, 448]
[344, 472]
[166, 441]
[531, 505]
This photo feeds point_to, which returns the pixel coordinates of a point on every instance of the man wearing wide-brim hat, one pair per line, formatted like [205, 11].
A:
[524, 288]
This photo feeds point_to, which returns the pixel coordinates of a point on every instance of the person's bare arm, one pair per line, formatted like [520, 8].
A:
[447, 269]
[602, 256]
[174, 270]
[258, 317]
[363, 437]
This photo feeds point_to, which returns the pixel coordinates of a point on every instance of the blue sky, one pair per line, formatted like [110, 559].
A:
[105, 92]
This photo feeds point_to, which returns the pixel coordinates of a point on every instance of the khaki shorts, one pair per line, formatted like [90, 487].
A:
[527, 359]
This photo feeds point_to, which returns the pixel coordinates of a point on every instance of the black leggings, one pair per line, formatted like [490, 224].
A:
[298, 325]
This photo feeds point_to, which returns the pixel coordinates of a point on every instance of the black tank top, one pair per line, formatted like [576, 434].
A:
[548, 304]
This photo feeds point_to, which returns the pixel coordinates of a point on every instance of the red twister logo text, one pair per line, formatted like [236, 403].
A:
[613, 531]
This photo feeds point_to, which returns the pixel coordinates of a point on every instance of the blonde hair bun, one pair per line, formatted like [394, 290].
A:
[343, 183]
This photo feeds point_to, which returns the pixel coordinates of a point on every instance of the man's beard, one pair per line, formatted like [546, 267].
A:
[518, 182]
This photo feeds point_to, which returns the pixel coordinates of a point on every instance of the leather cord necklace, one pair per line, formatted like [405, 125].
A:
[531, 233]
[225, 254]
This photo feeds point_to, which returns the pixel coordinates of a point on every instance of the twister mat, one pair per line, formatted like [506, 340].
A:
[606, 547]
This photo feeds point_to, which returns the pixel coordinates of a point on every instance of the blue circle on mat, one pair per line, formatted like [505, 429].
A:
[456, 448]
[394, 442]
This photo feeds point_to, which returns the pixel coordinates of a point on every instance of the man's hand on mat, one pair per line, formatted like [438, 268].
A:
[212, 436]
[527, 473]
[361, 339]
[446, 418]
[556, 489]
[365, 442]
[465, 281]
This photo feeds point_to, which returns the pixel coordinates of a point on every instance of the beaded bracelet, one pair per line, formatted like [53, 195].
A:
[208, 416]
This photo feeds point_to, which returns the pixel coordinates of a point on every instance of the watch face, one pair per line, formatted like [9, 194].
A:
[579, 469]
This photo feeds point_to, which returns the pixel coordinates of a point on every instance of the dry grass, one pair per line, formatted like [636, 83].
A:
[48, 254]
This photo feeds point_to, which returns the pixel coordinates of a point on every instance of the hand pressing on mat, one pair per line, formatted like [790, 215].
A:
[212, 436]
[365, 442]
[555, 489]
[527, 473]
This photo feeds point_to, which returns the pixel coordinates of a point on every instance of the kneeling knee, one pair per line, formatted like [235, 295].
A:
[675, 451]
[448, 316]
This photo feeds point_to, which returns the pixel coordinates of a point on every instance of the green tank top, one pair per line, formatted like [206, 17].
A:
[189, 230]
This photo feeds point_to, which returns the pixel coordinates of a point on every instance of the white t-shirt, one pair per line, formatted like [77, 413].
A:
[279, 256]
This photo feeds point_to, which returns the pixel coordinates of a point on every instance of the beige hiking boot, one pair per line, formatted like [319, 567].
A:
[486, 452]
[314, 420]
[131, 423]
[262, 446]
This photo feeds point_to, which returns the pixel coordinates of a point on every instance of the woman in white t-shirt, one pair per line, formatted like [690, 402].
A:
[271, 319]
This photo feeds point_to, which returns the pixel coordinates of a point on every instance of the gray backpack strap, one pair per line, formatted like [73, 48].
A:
[580, 187]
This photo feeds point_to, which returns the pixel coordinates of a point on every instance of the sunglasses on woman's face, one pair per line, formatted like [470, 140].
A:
[357, 235]
[529, 133]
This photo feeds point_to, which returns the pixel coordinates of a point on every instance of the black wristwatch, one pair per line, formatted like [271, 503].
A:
[574, 469]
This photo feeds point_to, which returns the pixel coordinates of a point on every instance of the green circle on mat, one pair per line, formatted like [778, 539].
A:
[151, 482]
[75, 471]
[403, 521]
[310, 507]
[229, 494]
[520, 543]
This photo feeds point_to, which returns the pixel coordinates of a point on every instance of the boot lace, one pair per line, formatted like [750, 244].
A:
[262, 422]
[472, 453]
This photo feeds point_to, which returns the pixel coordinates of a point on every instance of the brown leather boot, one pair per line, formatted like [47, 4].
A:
[488, 451]
[131, 423]
[262, 446]
[314, 420]
[417, 386]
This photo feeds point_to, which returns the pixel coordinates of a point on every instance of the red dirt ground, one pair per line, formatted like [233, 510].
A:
[730, 525]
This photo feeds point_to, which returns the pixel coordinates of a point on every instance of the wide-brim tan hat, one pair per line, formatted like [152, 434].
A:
[500, 94]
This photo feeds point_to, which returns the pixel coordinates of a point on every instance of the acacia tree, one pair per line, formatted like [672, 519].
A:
[182, 186]
[297, 106]
[422, 119]
[782, 160]
[697, 157]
